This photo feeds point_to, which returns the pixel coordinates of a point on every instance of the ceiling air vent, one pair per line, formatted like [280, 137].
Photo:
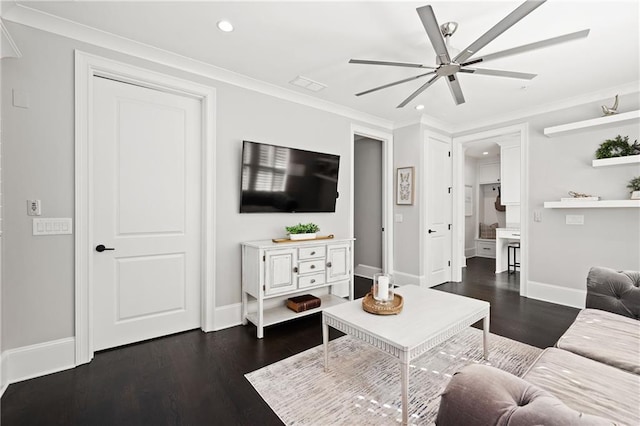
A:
[307, 83]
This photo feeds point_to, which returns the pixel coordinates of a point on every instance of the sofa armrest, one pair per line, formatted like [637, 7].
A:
[614, 291]
[482, 395]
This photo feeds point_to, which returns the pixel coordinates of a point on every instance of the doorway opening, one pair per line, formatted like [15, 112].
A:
[491, 203]
[371, 201]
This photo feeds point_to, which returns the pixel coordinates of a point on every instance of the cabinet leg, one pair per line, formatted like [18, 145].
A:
[245, 303]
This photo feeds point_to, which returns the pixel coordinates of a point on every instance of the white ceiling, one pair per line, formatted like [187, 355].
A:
[276, 41]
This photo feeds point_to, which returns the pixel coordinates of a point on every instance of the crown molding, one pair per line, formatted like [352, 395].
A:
[24, 15]
[598, 95]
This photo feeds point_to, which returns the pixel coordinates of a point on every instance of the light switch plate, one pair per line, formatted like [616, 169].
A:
[574, 219]
[53, 226]
[399, 218]
[537, 215]
[34, 208]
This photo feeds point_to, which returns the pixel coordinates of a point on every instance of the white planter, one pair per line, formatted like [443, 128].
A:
[635, 195]
[309, 236]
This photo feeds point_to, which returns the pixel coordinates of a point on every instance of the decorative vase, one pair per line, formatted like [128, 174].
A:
[307, 236]
[382, 288]
[635, 195]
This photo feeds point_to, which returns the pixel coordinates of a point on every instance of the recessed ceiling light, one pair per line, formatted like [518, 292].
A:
[225, 26]
[419, 107]
[485, 153]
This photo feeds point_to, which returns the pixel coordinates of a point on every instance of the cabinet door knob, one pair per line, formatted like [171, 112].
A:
[328, 264]
[312, 253]
[313, 281]
[313, 266]
[295, 269]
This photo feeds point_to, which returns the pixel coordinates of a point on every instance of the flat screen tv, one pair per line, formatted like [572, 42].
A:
[281, 179]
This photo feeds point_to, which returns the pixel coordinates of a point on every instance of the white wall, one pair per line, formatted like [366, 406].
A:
[562, 254]
[367, 196]
[38, 287]
[407, 256]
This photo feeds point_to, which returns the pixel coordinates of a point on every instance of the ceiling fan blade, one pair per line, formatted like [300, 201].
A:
[388, 63]
[456, 90]
[511, 19]
[394, 83]
[531, 46]
[432, 28]
[417, 92]
[499, 73]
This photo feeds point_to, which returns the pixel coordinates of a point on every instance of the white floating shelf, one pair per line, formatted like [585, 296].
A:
[591, 204]
[629, 159]
[600, 122]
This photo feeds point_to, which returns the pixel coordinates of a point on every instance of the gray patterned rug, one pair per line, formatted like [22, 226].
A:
[362, 386]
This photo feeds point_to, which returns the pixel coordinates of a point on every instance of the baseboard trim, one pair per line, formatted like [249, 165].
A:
[556, 294]
[38, 360]
[3, 374]
[366, 271]
[400, 278]
[228, 316]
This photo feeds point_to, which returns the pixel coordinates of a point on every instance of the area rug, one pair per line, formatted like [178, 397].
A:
[362, 386]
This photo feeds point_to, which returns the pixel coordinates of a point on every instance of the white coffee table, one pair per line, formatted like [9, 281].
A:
[428, 318]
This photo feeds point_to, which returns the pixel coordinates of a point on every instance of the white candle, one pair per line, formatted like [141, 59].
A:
[383, 288]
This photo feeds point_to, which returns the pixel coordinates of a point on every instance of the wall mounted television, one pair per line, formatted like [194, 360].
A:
[277, 179]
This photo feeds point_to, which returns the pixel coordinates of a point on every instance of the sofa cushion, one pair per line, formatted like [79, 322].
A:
[479, 395]
[604, 337]
[588, 386]
[614, 291]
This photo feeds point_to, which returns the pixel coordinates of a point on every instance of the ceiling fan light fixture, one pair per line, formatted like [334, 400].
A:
[225, 26]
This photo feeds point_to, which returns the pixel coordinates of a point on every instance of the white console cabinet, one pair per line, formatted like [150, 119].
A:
[273, 272]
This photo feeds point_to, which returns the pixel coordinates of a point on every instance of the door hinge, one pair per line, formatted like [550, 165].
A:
[264, 288]
[449, 153]
[382, 229]
[264, 258]
[448, 263]
[449, 190]
[449, 226]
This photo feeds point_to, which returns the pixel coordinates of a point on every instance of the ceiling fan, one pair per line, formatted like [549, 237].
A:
[449, 67]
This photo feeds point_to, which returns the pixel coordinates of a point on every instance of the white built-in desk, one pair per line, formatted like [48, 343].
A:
[504, 236]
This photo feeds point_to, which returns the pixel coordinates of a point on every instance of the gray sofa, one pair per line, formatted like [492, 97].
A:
[591, 377]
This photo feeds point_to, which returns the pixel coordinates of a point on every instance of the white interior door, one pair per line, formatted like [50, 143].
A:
[439, 211]
[146, 206]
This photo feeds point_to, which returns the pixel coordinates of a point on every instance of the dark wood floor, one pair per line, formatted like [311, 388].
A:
[194, 378]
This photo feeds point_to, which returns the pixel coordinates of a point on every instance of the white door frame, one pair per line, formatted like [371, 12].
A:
[458, 193]
[86, 67]
[387, 189]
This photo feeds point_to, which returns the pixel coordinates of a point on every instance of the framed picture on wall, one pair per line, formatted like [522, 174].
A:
[468, 200]
[405, 185]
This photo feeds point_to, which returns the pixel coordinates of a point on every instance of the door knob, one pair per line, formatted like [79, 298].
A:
[100, 248]
[431, 232]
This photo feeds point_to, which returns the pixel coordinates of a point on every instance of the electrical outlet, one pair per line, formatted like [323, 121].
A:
[33, 208]
[574, 219]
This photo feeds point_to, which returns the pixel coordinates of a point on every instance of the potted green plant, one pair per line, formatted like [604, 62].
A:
[634, 186]
[301, 231]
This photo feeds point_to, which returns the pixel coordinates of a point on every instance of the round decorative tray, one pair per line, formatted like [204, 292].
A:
[370, 305]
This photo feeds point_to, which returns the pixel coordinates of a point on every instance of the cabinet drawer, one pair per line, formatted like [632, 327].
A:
[486, 248]
[311, 252]
[311, 266]
[311, 280]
